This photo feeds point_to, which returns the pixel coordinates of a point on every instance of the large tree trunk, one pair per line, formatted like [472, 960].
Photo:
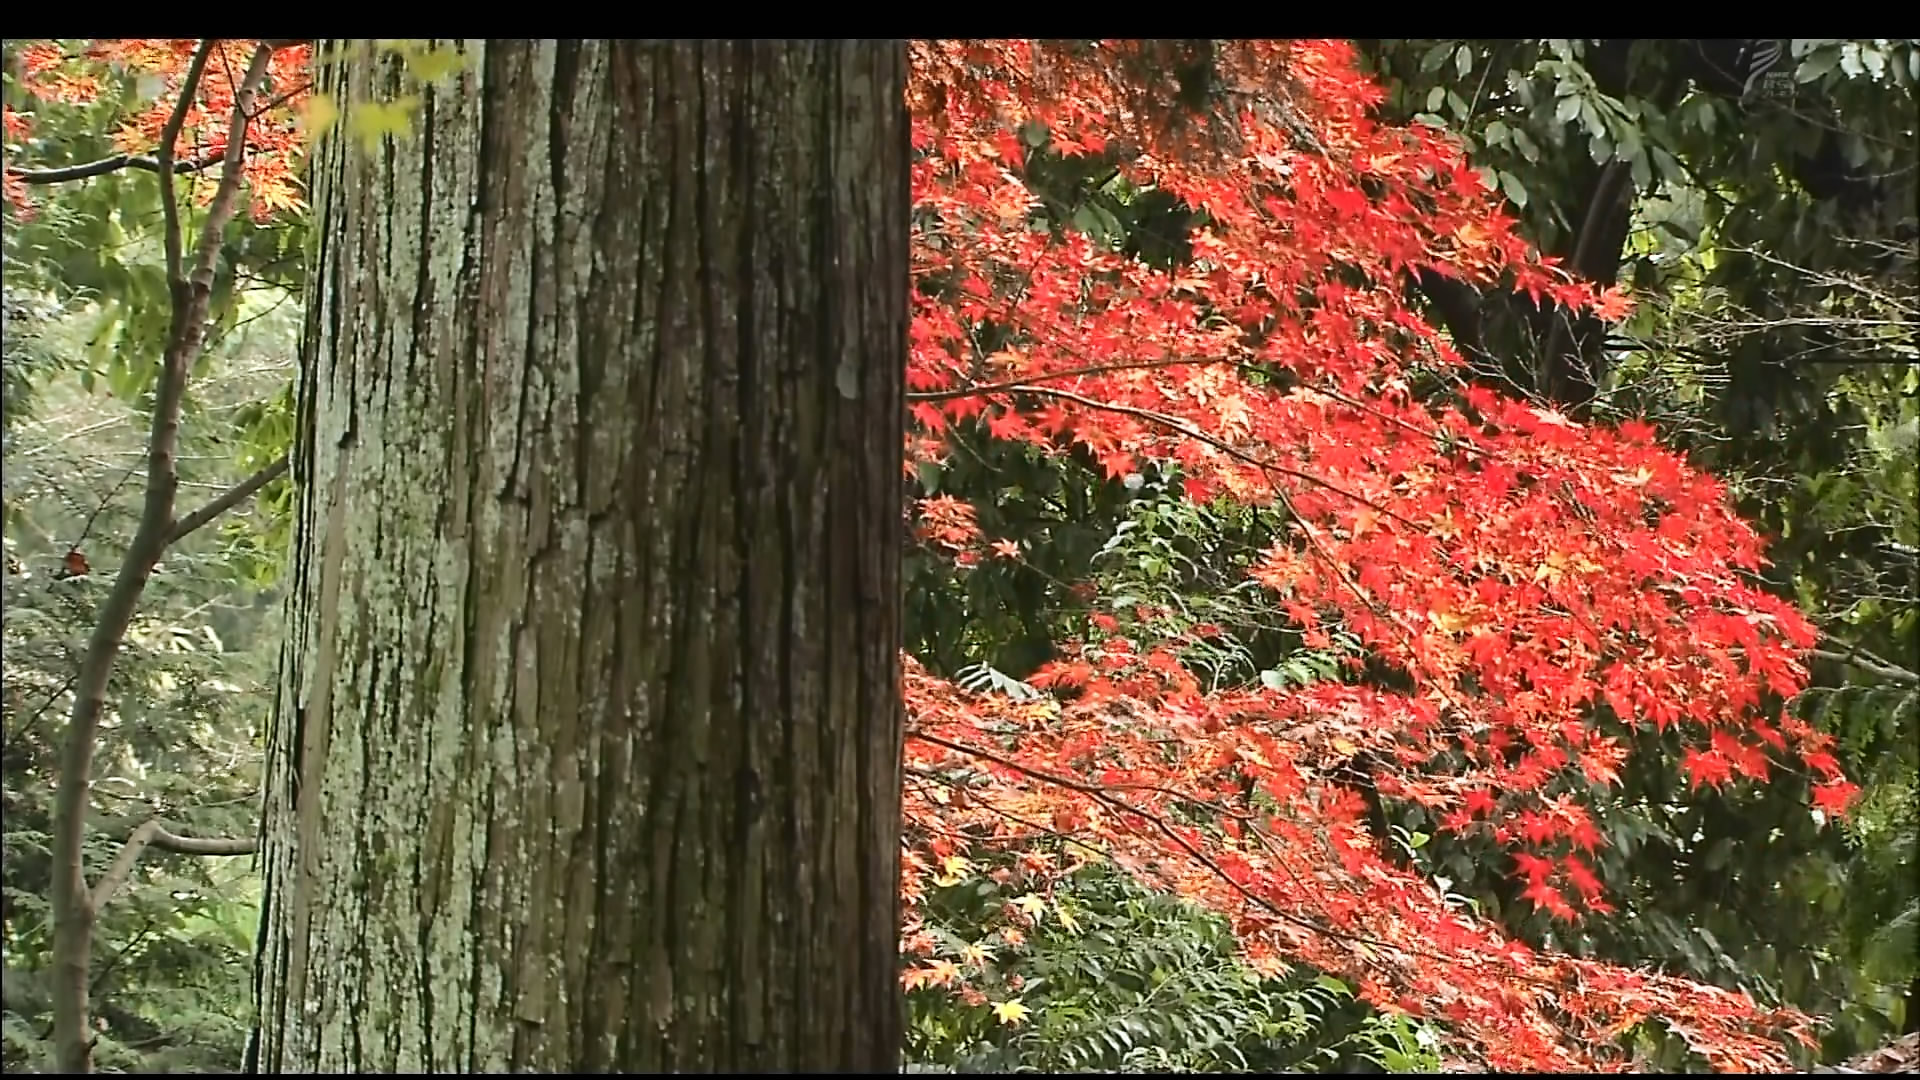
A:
[588, 755]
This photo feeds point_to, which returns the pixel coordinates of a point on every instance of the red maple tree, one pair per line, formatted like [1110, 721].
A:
[144, 76]
[1544, 586]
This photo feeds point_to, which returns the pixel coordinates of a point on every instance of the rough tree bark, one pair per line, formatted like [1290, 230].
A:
[588, 752]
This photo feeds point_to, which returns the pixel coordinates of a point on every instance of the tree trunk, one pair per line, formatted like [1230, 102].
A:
[588, 752]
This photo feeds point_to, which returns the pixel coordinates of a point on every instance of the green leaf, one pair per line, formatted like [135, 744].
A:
[434, 64]
[1514, 189]
[1850, 60]
[371, 122]
[1568, 108]
[1817, 66]
[1332, 985]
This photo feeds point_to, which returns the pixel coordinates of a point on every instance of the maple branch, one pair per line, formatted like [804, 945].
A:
[1461, 442]
[1139, 365]
[282, 99]
[1102, 795]
[227, 500]
[989, 804]
[1068, 373]
[66, 173]
[1178, 426]
[1194, 853]
[170, 134]
[972, 751]
[155, 834]
[1171, 793]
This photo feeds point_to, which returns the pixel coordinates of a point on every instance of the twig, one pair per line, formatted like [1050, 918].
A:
[23, 730]
[1847, 654]
[1175, 424]
[1067, 373]
[101, 505]
[227, 501]
[282, 99]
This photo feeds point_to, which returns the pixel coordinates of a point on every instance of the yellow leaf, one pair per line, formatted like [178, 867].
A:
[372, 121]
[1031, 905]
[954, 869]
[1555, 565]
[1010, 1012]
[435, 64]
[1066, 919]
[975, 955]
[1009, 360]
[321, 115]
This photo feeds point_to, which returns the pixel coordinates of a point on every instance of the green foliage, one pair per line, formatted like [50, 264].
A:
[1114, 977]
[180, 741]
[1771, 253]
[1004, 613]
[87, 318]
[1176, 571]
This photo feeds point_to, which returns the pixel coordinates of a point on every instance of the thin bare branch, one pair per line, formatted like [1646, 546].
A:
[73, 909]
[1884, 669]
[66, 173]
[1068, 373]
[1178, 426]
[154, 834]
[87, 528]
[169, 135]
[229, 499]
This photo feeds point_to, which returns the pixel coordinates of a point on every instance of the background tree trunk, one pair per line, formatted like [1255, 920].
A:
[588, 750]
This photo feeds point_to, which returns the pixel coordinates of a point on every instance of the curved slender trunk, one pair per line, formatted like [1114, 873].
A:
[588, 751]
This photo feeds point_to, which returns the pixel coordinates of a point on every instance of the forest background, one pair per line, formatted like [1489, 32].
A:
[1749, 234]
